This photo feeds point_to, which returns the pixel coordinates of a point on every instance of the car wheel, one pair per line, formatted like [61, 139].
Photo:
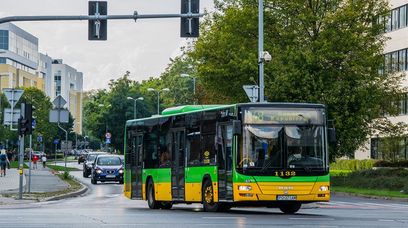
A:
[121, 182]
[290, 208]
[151, 201]
[84, 174]
[94, 181]
[208, 198]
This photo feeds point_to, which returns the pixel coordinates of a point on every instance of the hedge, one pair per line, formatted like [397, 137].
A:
[352, 164]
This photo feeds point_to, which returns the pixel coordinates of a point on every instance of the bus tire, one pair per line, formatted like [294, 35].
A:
[208, 197]
[166, 205]
[290, 208]
[151, 201]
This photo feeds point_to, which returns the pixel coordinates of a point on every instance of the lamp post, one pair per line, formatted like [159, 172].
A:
[135, 105]
[158, 96]
[194, 83]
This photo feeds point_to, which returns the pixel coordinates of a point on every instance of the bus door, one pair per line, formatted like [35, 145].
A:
[137, 166]
[224, 148]
[178, 164]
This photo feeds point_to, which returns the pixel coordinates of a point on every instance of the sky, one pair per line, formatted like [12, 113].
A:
[144, 48]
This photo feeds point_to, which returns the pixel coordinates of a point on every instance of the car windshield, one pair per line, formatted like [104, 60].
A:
[108, 161]
[91, 157]
[280, 147]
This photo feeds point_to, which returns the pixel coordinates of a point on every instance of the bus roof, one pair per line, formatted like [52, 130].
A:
[198, 108]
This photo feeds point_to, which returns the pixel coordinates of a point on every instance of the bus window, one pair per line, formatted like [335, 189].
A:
[193, 135]
[150, 141]
[165, 143]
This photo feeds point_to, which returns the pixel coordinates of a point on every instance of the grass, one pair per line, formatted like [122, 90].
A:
[14, 165]
[62, 168]
[370, 192]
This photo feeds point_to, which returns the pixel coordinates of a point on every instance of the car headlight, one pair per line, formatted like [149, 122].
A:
[244, 188]
[120, 171]
[98, 171]
[324, 188]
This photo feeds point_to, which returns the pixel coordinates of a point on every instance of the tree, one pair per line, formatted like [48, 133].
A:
[326, 52]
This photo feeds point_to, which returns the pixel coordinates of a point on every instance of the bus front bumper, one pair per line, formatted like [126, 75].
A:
[279, 191]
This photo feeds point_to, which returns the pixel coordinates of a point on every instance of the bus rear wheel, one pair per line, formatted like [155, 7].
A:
[208, 197]
[290, 208]
[151, 201]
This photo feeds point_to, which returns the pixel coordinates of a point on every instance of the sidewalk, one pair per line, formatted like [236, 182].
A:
[42, 181]
[10, 182]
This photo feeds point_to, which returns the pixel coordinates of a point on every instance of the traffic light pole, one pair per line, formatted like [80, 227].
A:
[135, 16]
[29, 165]
[21, 165]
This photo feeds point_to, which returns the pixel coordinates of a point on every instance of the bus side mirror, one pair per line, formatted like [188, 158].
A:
[236, 127]
[332, 135]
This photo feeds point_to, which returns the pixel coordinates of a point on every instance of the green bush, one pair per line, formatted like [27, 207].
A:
[352, 164]
[402, 163]
[384, 179]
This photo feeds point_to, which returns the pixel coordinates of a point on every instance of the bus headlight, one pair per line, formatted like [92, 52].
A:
[244, 188]
[324, 188]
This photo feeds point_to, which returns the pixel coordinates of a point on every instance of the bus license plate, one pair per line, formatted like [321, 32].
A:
[288, 198]
[110, 176]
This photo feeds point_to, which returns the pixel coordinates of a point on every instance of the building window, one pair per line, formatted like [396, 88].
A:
[395, 20]
[4, 39]
[402, 17]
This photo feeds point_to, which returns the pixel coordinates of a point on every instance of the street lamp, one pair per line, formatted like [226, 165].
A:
[194, 83]
[135, 105]
[158, 96]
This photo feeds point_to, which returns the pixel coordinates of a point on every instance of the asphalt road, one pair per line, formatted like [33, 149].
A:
[105, 206]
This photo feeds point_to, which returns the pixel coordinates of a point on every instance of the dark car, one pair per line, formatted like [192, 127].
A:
[107, 168]
[90, 158]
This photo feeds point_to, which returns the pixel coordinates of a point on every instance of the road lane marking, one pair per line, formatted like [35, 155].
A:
[322, 219]
[223, 217]
[386, 220]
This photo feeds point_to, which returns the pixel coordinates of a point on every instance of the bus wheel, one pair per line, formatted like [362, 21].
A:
[151, 201]
[208, 197]
[290, 208]
[166, 205]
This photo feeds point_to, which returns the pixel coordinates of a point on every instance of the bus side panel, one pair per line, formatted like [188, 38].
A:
[162, 184]
[152, 173]
[193, 182]
[127, 183]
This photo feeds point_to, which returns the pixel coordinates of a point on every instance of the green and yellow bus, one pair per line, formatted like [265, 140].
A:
[223, 156]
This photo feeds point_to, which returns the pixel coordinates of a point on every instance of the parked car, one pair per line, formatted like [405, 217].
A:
[107, 168]
[89, 161]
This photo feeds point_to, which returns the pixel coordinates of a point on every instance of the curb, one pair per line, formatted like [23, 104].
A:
[371, 196]
[68, 195]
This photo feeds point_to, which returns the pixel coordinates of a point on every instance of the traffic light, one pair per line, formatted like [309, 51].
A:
[190, 26]
[25, 126]
[97, 29]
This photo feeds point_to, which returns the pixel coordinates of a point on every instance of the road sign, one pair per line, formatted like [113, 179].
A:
[252, 92]
[56, 141]
[108, 135]
[39, 138]
[13, 95]
[11, 116]
[59, 115]
[97, 29]
[189, 27]
[33, 123]
[108, 141]
[59, 102]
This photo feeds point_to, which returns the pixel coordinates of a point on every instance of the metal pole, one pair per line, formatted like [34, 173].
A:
[260, 51]
[21, 166]
[29, 169]
[158, 102]
[194, 89]
[66, 149]
[134, 109]
[55, 154]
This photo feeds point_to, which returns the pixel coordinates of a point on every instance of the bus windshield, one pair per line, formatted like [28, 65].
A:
[274, 147]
